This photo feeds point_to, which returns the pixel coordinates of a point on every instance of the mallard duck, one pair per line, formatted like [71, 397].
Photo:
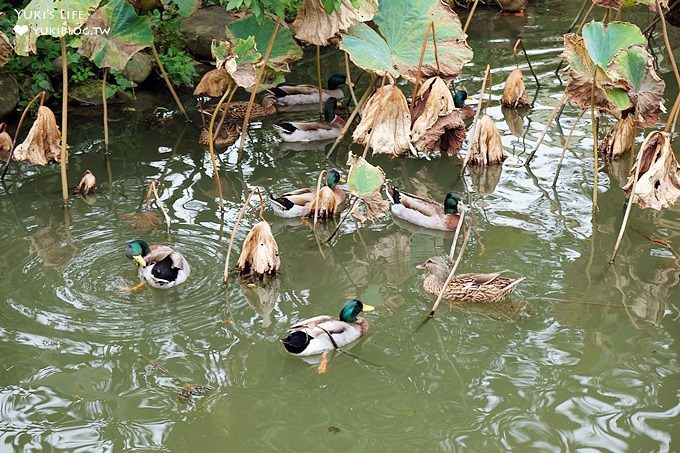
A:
[481, 288]
[159, 265]
[466, 111]
[515, 7]
[424, 211]
[308, 94]
[309, 131]
[237, 110]
[298, 203]
[227, 135]
[325, 333]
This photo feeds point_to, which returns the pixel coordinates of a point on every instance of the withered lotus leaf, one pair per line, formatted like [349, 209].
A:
[324, 204]
[213, 83]
[87, 183]
[386, 122]
[515, 94]
[313, 25]
[658, 184]
[620, 138]
[486, 147]
[43, 142]
[260, 253]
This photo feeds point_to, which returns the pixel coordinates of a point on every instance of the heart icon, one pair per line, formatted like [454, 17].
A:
[20, 29]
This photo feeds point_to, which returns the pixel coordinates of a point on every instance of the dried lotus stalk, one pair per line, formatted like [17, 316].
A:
[620, 139]
[43, 142]
[515, 94]
[486, 147]
[260, 253]
[658, 184]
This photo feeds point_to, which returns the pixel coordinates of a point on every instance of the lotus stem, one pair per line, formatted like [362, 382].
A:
[628, 207]
[224, 111]
[348, 124]
[673, 116]
[349, 81]
[211, 142]
[596, 165]
[556, 110]
[225, 278]
[318, 78]
[106, 111]
[40, 95]
[64, 121]
[469, 18]
[455, 235]
[564, 148]
[260, 74]
[669, 49]
[466, 236]
[416, 85]
[434, 44]
[526, 56]
[316, 196]
[168, 83]
[160, 204]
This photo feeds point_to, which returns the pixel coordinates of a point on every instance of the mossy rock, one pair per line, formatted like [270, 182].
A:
[9, 94]
[206, 24]
[90, 93]
[138, 68]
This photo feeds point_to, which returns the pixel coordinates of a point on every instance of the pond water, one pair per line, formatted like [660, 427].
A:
[583, 356]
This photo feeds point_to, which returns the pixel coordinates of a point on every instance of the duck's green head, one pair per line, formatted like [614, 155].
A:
[451, 203]
[352, 308]
[329, 109]
[459, 97]
[333, 178]
[136, 250]
[336, 80]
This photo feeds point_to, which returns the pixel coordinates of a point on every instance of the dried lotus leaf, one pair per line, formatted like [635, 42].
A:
[213, 83]
[486, 147]
[515, 94]
[43, 142]
[260, 253]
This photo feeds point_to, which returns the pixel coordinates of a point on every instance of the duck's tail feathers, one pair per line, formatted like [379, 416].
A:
[392, 193]
[285, 128]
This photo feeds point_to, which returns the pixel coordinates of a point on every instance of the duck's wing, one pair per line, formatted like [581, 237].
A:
[304, 126]
[291, 90]
[299, 197]
[311, 323]
[160, 252]
[425, 206]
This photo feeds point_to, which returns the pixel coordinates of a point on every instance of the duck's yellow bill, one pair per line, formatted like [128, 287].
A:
[368, 307]
[139, 260]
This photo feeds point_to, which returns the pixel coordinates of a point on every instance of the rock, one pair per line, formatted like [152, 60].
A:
[9, 94]
[206, 24]
[90, 93]
[138, 68]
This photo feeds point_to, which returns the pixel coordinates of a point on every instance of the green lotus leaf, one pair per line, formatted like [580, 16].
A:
[396, 49]
[285, 49]
[604, 41]
[54, 18]
[364, 179]
[127, 34]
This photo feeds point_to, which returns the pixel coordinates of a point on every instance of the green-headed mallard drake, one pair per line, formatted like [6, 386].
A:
[515, 7]
[466, 111]
[309, 131]
[325, 333]
[481, 288]
[237, 110]
[308, 94]
[298, 203]
[159, 265]
[425, 212]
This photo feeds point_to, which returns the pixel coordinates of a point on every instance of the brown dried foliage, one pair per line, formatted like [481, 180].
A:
[213, 83]
[260, 253]
[620, 138]
[515, 94]
[43, 142]
[314, 26]
[486, 147]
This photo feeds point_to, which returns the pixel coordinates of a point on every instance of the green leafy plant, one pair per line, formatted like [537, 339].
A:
[179, 66]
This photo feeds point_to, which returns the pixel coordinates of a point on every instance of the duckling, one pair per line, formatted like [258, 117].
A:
[325, 333]
[237, 110]
[480, 288]
[308, 94]
[308, 131]
[425, 212]
[515, 7]
[159, 265]
[298, 203]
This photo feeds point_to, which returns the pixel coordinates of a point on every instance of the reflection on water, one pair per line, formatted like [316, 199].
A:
[583, 356]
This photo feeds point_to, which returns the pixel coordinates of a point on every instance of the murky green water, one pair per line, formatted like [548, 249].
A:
[585, 355]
